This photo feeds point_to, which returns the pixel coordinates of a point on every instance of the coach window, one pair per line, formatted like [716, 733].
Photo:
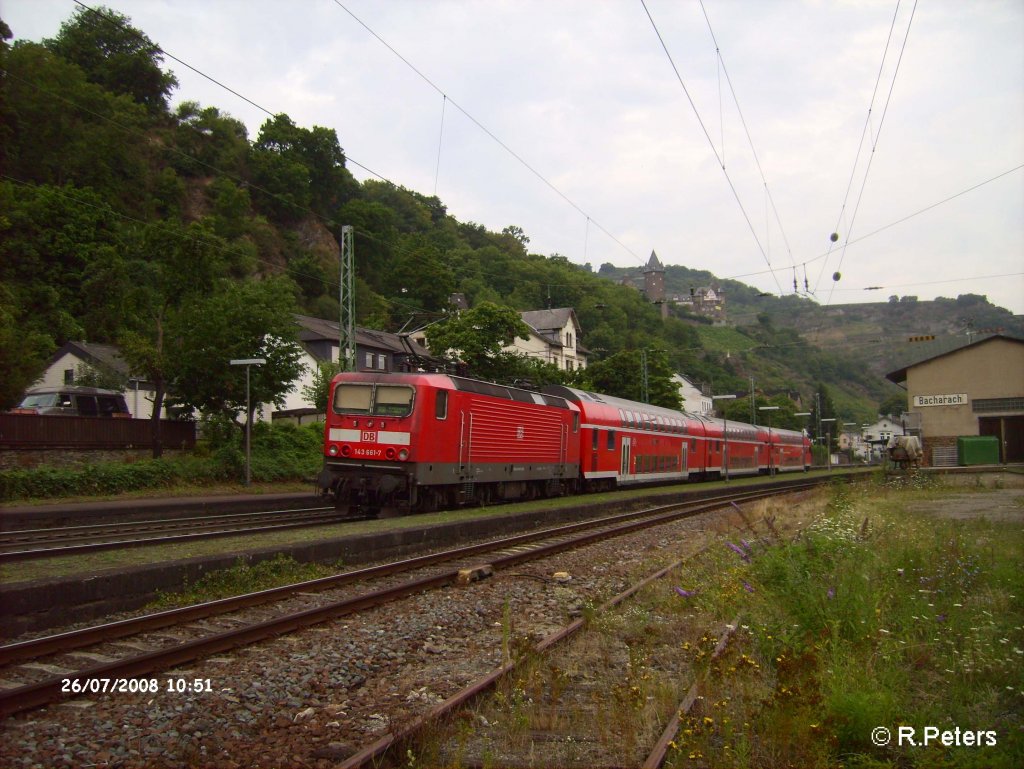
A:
[611, 440]
[441, 405]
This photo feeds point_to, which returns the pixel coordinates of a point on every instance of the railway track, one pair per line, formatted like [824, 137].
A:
[31, 544]
[435, 723]
[50, 669]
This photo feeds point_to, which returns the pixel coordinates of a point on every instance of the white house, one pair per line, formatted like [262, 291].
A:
[70, 362]
[694, 399]
[375, 351]
[877, 436]
[554, 338]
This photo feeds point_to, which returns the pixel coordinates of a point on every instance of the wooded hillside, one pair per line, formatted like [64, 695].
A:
[162, 230]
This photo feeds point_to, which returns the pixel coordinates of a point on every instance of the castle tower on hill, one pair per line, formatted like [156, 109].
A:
[654, 283]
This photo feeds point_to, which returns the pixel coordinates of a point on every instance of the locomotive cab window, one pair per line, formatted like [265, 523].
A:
[441, 405]
[353, 398]
[391, 401]
[382, 400]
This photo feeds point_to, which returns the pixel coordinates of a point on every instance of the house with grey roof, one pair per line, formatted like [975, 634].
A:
[554, 338]
[99, 365]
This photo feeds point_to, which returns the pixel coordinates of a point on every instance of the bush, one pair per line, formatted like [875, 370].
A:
[280, 453]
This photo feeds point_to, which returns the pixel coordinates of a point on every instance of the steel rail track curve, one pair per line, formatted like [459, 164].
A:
[545, 543]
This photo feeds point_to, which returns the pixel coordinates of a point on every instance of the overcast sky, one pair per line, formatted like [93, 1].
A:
[862, 114]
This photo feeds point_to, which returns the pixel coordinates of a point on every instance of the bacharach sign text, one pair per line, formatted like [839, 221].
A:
[959, 399]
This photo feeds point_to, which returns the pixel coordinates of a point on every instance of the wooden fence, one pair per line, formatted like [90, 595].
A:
[30, 431]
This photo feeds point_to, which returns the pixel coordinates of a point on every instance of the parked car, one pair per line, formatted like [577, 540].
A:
[74, 402]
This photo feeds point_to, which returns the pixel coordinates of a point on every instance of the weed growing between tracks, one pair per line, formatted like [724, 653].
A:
[243, 578]
[873, 617]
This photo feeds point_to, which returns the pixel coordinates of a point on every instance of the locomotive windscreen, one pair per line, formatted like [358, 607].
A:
[376, 400]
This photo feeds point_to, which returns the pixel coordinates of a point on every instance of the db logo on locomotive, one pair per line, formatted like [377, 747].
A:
[368, 437]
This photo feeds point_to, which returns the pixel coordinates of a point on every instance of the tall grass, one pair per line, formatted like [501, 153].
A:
[873, 617]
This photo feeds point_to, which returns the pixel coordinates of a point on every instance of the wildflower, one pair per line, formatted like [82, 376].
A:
[686, 593]
[831, 593]
[899, 572]
[738, 550]
[748, 587]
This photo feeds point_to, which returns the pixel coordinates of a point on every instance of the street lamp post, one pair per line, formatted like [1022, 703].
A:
[248, 363]
[828, 444]
[725, 433]
[849, 438]
[769, 409]
[803, 414]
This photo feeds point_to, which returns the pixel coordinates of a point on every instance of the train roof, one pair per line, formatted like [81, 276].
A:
[612, 409]
[463, 384]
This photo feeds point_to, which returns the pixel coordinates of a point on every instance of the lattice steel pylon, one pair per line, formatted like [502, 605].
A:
[346, 299]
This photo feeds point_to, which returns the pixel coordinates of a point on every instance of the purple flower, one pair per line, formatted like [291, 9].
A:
[831, 593]
[748, 587]
[739, 551]
[686, 593]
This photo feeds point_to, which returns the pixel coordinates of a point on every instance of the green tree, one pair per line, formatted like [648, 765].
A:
[302, 168]
[115, 55]
[894, 405]
[318, 391]
[823, 407]
[254, 319]
[622, 375]
[23, 352]
[172, 267]
[64, 130]
[477, 338]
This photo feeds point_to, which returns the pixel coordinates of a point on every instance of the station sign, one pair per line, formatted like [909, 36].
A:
[957, 399]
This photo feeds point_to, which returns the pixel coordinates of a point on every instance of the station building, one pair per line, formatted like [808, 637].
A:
[966, 387]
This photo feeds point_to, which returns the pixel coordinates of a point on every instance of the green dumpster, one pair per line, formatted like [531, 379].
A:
[977, 450]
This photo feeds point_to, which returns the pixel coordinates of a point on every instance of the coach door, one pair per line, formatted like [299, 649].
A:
[624, 465]
[684, 468]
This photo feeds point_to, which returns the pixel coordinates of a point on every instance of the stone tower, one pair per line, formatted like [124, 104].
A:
[654, 282]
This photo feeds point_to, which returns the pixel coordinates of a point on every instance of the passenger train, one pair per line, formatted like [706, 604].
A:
[400, 443]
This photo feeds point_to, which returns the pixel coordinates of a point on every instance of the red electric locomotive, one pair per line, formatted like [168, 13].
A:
[395, 443]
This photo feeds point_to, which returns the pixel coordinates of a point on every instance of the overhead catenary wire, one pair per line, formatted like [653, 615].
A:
[875, 138]
[711, 142]
[885, 227]
[522, 161]
[746, 130]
